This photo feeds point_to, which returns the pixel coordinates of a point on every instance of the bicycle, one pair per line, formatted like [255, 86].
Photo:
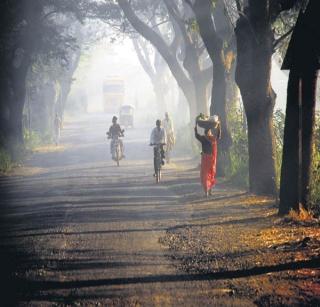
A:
[158, 160]
[116, 150]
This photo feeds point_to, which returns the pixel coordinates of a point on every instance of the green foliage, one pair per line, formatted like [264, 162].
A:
[278, 128]
[5, 157]
[33, 139]
[315, 175]
[282, 27]
[192, 25]
[5, 161]
[17, 152]
[239, 173]
[315, 184]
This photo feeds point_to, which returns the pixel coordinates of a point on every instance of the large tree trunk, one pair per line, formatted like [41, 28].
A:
[15, 129]
[66, 81]
[309, 89]
[4, 106]
[16, 102]
[260, 147]
[214, 46]
[289, 184]
[219, 106]
[254, 51]
[201, 95]
[297, 144]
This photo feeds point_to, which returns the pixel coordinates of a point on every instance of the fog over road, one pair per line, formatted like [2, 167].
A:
[86, 231]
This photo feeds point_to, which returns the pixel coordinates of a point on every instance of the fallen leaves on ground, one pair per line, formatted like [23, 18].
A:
[248, 234]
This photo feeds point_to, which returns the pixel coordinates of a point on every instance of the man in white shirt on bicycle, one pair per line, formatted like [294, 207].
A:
[158, 137]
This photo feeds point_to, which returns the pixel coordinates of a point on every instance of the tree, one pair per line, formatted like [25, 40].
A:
[302, 59]
[205, 17]
[156, 69]
[49, 78]
[191, 78]
[29, 30]
[255, 46]
[195, 39]
[16, 50]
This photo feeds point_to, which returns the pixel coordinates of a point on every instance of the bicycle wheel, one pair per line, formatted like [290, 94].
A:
[118, 156]
[158, 176]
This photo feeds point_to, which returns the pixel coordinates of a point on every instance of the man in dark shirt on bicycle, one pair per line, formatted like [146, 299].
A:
[115, 132]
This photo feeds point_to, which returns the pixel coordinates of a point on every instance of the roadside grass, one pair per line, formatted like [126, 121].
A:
[49, 148]
[13, 155]
[5, 161]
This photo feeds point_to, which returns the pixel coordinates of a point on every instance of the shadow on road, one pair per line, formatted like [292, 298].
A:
[53, 285]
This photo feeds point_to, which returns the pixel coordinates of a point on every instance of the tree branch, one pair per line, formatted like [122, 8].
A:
[49, 14]
[281, 38]
[144, 60]
[189, 3]
[239, 8]
[158, 42]
[202, 10]
[172, 9]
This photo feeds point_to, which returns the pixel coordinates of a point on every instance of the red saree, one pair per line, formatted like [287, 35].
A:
[208, 168]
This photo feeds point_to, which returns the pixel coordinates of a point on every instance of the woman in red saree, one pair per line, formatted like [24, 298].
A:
[208, 159]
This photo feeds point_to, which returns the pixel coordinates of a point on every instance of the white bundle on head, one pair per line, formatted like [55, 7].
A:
[214, 118]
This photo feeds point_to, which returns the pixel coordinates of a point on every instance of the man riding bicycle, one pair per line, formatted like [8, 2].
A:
[114, 133]
[158, 137]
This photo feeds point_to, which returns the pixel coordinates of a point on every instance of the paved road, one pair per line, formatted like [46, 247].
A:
[80, 230]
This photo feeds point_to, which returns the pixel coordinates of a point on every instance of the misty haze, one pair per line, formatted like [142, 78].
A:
[160, 153]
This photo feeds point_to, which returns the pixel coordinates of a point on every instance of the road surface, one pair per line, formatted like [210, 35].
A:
[79, 230]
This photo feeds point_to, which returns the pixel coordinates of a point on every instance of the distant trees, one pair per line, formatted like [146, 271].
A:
[189, 53]
[157, 70]
[178, 45]
[18, 22]
[49, 81]
[193, 37]
[30, 30]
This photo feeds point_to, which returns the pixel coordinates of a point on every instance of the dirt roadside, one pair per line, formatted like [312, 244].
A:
[243, 245]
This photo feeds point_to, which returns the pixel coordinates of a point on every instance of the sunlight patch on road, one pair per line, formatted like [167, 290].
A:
[26, 171]
[51, 148]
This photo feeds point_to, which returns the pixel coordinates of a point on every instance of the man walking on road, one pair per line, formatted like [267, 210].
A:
[168, 127]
